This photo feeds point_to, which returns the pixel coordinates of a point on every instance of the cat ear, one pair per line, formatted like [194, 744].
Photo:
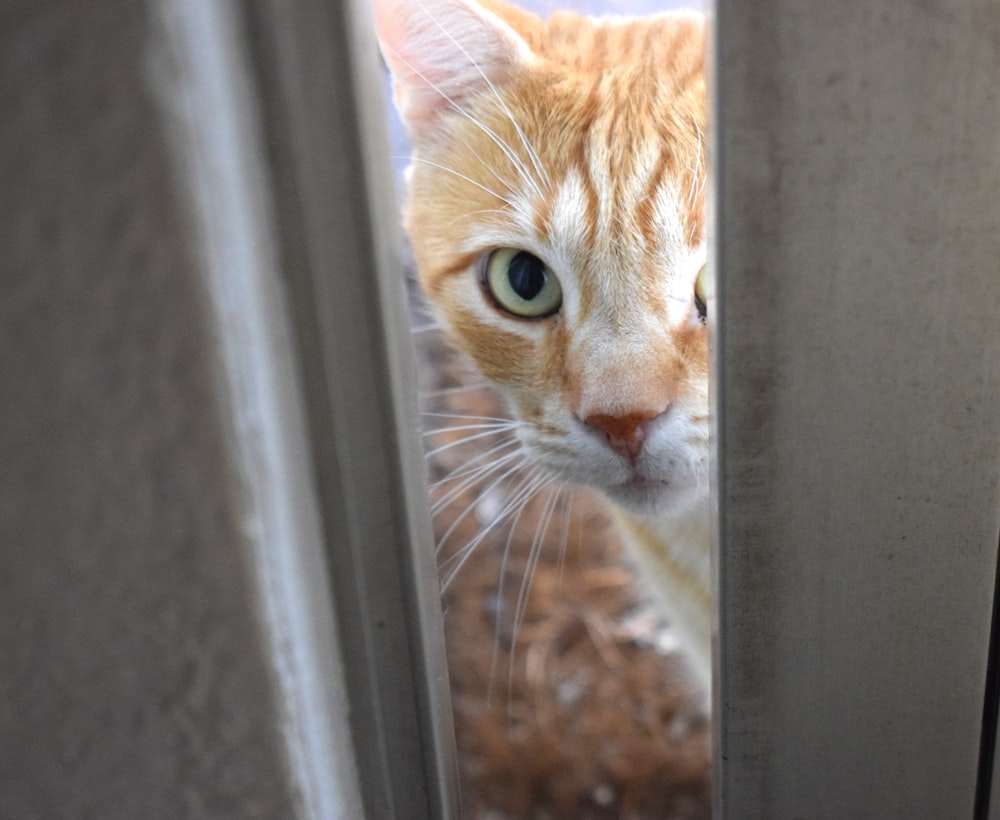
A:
[441, 52]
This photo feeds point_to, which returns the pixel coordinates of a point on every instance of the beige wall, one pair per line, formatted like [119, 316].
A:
[133, 679]
[859, 254]
[204, 366]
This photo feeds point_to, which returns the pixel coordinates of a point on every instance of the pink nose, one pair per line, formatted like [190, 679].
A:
[625, 434]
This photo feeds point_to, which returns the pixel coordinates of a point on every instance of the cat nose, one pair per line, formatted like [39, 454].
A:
[625, 434]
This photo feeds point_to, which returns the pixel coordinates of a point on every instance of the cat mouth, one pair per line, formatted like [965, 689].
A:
[641, 493]
[640, 480]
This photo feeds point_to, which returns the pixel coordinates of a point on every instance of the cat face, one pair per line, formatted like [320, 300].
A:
[556, 209]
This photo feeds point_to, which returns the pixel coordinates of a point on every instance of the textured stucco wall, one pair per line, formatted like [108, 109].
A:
[857, 247]
[132, 681]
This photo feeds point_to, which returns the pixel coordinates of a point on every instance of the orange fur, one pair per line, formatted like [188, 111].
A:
[580, 141]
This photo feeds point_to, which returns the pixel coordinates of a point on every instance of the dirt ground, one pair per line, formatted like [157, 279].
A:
[570, 698]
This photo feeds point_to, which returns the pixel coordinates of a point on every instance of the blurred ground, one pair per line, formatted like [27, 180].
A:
[584, 710]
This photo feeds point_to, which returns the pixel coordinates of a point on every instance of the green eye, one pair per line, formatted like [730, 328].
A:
[522, 284]
[700, 300]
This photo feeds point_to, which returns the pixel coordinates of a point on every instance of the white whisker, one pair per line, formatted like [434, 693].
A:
[437, 415]
[527, 580]
[471, 181]
[424, 328]
[450, 391]
[472, 477]
[479, 212]
[529, 487]
[495, 426]
[697, 179]
[500, 143]
[468, 467]
[533, 554]
[502, 574]
[539, 168]
[464, 440]
[468, 509]
[564, 534]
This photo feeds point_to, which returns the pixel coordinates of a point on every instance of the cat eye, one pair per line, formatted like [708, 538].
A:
[522, 284]
[700, 300]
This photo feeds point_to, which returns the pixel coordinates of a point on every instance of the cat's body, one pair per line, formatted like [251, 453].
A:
[556, 208]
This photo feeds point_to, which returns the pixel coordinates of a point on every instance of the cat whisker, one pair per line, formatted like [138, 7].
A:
[477, 213]
[534, 553]
[532, 155]
[523, 492]
[450, 391]
[469, 468]
[505, 556]
[539, 168]
[697, 178]
[483, 454]
[433, 326]
[482, 534]
[496, 426]
[500, 143]
[464, 440]
[470, 477]
[513, 204]
[446, 490]
[516, 160]
[468, 179]
[564, 534]
[437, 415]
[541, 528]
[528, 487]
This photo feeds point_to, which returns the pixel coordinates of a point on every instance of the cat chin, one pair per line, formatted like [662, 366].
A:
[651, 498]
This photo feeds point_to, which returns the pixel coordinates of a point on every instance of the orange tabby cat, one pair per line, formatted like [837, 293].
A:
[556, 208]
